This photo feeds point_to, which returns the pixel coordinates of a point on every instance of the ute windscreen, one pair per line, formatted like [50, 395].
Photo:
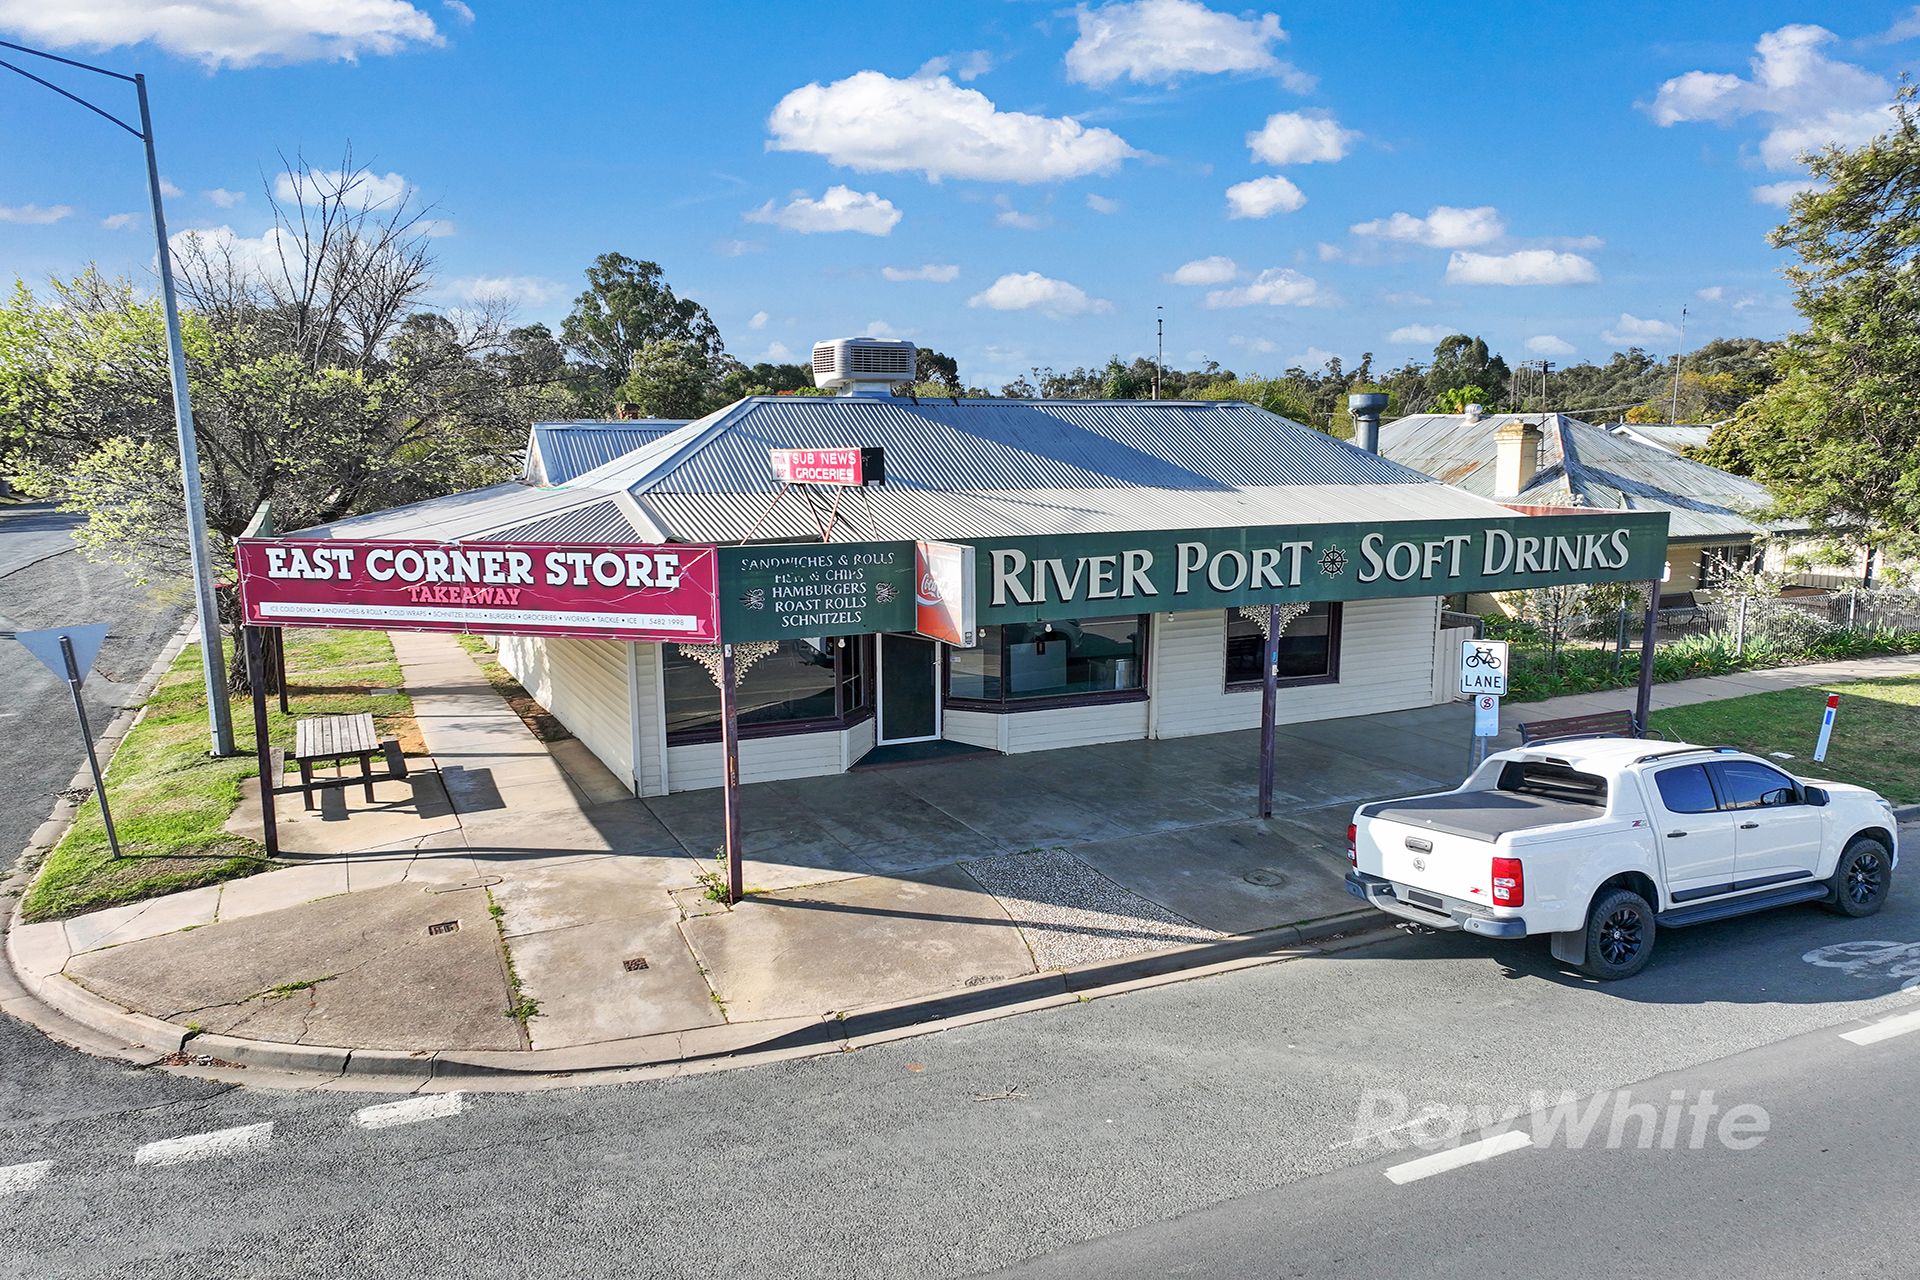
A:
[1553, 781]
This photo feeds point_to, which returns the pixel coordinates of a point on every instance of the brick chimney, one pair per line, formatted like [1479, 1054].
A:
[1516, 454]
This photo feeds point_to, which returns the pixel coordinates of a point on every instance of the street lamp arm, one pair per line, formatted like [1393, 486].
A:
[73, 97]
[71, 62]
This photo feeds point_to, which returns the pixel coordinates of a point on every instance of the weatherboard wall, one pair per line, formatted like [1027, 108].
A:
[584, 684]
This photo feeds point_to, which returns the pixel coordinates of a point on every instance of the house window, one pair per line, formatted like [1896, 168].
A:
[1027, 665]
[1719, 564]
[805, 685]
[1309, 649]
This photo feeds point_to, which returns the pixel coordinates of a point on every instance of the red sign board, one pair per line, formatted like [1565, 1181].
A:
[943, 599]
[609, 591]
[820, 466]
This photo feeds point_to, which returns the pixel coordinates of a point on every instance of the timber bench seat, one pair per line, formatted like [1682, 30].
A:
[1681, 606]
[334, 739]
[1600, 724]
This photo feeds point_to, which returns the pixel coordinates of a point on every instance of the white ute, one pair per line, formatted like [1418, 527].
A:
[1602, 841]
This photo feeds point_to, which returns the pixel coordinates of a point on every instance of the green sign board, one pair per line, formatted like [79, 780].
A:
[815, 589]
[1086, 575]
[825, 589]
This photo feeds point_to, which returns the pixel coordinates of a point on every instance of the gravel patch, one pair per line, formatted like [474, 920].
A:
[1070, 914]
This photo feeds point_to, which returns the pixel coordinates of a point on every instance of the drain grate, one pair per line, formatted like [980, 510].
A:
[635, 965]
[445, 926]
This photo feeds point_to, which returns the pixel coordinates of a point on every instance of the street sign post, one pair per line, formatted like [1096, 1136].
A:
[1483, 667]
[69, 652]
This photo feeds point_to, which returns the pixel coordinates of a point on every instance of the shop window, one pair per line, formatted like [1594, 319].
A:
[1034, 664]
[1309, 649]
[804, 685]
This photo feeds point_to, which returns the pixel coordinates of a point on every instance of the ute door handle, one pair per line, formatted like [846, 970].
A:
[1748, 826]
[1675, 835]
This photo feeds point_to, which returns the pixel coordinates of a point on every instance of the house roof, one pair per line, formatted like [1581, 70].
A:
[954, 469]
[559, 451]
[1671, 436]
[1588, 466]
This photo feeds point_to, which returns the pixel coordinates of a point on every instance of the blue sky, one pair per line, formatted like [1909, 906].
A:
[1013, 183]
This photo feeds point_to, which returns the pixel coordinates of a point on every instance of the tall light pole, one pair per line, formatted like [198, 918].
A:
[1673, 408]
[1160, 349]
[213, 658]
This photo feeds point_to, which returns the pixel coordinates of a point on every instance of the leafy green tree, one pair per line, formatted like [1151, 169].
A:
[1837, 437]
[1275, 395]
[1456, 399]
[628, 304]
[930, 366]
[1463, 361]
[669, 378]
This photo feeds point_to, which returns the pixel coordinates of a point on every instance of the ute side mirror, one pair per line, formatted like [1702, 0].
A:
[1816, 796]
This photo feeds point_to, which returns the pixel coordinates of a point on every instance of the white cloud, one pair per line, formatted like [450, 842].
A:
[839, 209]
[233, 33]
[777, 353]
[1261, 346]
[881, 329]
[118, 221]
[270, 254]
[370, 190]
[1444, 227]
[1012, 217]
[1300, 137]
[1031, 291]
[759, 320]
[458, 9]
[1102, 204]
[1274, 287]
[1327, 251]
[1633, 330]
[1156, 41]
[435, 227]
[1420, 333]
[937, 272]
[35, 215]
[225, 199]
[1214, 270]
[737, 248]
[1781, 193]
[526, 291]
[1407, 300]
[1263, 197]
[1905, 27]
[970, 65]
[1313, 358]
[875, 123]
[1545, 344]
[1526, 266]
[167, 187]
[1712, 293]
[1806, 99]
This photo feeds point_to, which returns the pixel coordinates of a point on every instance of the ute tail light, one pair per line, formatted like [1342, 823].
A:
[1509, 883]
[1353, 844]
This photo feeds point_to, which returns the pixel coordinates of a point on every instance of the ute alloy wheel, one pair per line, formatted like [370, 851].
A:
[1859, 884]
[1620, 930]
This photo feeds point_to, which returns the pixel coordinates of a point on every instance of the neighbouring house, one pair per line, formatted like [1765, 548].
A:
[559, 451]
[1553, 460]
[1674, 437]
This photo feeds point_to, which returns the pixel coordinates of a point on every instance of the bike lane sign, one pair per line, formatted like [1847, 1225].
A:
[1483, 667]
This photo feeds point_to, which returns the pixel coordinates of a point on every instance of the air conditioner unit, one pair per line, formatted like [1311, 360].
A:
[863, 366]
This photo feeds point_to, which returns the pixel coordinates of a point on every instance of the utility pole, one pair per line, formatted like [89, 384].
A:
[1673, 408]
[1160, 349]
[212, 656]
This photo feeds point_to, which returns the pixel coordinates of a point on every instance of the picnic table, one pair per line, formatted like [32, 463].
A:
[332, 739]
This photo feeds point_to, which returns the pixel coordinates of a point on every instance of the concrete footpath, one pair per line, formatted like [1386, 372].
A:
[510, 909]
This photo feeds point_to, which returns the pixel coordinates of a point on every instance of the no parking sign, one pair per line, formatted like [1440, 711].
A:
[1486, 716]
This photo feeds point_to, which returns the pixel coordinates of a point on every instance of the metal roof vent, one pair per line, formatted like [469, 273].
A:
[863, 366]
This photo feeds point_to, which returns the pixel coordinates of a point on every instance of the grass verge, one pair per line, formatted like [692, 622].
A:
[1876, 734]
[536, 717]
[171, 801]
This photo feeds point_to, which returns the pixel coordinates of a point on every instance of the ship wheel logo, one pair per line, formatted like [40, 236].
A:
[1333, 562]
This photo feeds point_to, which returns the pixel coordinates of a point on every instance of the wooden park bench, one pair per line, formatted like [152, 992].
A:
[1681, 606]
[332, 739]
[1600, 724]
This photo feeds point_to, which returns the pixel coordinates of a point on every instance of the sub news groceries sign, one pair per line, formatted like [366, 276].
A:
[619, 592]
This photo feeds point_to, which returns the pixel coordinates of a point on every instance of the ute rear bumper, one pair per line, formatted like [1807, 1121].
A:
[1433, 910]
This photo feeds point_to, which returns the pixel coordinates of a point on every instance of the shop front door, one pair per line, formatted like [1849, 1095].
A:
[909, 708]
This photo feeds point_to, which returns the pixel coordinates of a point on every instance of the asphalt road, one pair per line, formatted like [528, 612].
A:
[45, 582]
[1209, 1128]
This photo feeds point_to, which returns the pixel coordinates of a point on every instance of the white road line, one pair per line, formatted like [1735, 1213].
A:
[23, 1177]
[429, 1106]
[203, 1146]
[1885, 1030]
[1471, 1153]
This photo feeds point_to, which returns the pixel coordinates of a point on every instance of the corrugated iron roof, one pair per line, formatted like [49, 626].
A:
[559, 451]
[1671, 436]
[1589, 466]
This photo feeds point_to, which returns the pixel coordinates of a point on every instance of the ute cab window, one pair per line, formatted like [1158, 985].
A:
[1748, 784]
[1553, 780]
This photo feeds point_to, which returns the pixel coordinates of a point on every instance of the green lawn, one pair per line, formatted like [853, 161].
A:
[1876, 734]
[171, 801]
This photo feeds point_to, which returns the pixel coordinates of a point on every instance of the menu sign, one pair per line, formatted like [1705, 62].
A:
[816, 589]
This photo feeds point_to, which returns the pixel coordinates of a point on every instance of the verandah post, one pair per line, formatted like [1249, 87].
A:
[1643, 702]
[1269, 708]
[262, 744]
[730, 772]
